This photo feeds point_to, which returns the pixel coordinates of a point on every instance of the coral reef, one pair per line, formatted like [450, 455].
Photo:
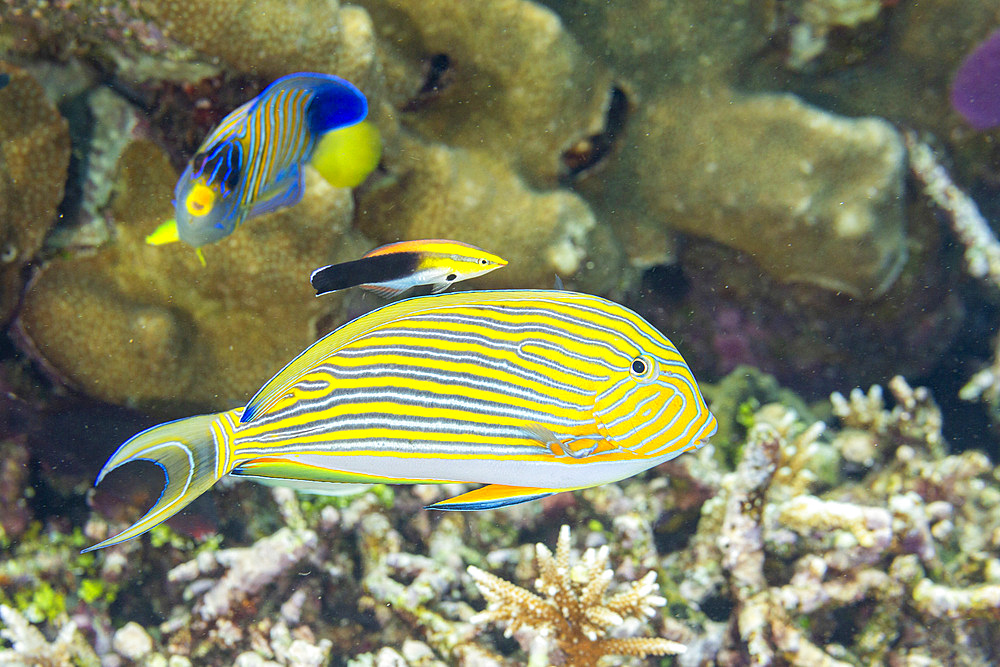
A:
[522, 100]
[782, 187]
[34, 156]
[574, 609]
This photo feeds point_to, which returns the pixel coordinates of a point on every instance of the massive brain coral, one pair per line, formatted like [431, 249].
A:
[34, 156]
[518, 85]
[442, 192]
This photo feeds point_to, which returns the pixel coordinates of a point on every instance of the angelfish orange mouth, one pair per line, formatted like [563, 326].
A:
[200, 200]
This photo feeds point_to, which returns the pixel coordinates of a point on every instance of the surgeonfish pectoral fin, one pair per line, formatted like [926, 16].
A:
[492, 496]
[164, 234]
[567, 445]
[186, 451]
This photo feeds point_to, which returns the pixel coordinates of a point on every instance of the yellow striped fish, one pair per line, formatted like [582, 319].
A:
[397, 268]
[529, 392]
[251, 163]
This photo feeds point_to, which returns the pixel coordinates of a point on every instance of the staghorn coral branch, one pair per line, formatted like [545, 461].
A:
[571, 605]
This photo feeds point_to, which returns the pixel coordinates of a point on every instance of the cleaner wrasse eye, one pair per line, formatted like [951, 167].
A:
[528, 392]
[397, 268]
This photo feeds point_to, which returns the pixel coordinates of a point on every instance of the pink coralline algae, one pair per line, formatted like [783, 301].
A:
[975, 90]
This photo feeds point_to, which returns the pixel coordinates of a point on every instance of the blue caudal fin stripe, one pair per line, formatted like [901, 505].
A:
[476, 506]
[336, 104]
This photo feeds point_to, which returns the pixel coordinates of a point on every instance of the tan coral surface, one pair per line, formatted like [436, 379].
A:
[138, 324]
[34, 156]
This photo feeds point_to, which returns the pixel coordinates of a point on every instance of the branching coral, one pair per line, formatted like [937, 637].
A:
[915, 420]
[572, 605]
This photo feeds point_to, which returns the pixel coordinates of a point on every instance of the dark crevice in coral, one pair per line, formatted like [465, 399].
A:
[966, 423]
[668, 281]
[77, 113]
[717, 608]
[674, 530]
[439, 74]
[591, 151]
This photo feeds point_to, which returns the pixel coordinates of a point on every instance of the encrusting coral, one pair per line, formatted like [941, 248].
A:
[574, 608]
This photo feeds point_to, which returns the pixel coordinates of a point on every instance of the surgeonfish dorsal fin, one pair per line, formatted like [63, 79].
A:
[276, 387]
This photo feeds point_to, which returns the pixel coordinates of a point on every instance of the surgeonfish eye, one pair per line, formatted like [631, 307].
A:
[483, 261]
[644, 368]
[200, 200]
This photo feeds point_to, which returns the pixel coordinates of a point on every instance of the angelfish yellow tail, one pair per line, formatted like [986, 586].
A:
[193, 455]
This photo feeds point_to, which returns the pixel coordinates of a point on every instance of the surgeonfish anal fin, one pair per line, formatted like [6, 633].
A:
[186, 451]
[492, 496]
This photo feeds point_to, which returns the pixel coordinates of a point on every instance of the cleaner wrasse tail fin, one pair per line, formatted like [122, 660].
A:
[193, 455]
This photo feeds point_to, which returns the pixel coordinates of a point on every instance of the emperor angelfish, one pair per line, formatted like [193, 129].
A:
[529, 392]
[252, 162]
[397, 268]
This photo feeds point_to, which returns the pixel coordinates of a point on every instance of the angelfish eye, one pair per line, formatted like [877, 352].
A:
[643, 367]
[450, 277]
[484, 261]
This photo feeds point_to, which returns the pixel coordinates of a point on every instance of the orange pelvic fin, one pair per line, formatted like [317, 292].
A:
[492, 496]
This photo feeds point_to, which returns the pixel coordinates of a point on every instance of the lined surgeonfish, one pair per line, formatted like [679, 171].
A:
[529, 392]
[394, 269]
[252, 162]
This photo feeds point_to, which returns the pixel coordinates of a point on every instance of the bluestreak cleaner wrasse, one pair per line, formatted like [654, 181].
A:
[529, 392]
[252, 162]
[394, 269]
